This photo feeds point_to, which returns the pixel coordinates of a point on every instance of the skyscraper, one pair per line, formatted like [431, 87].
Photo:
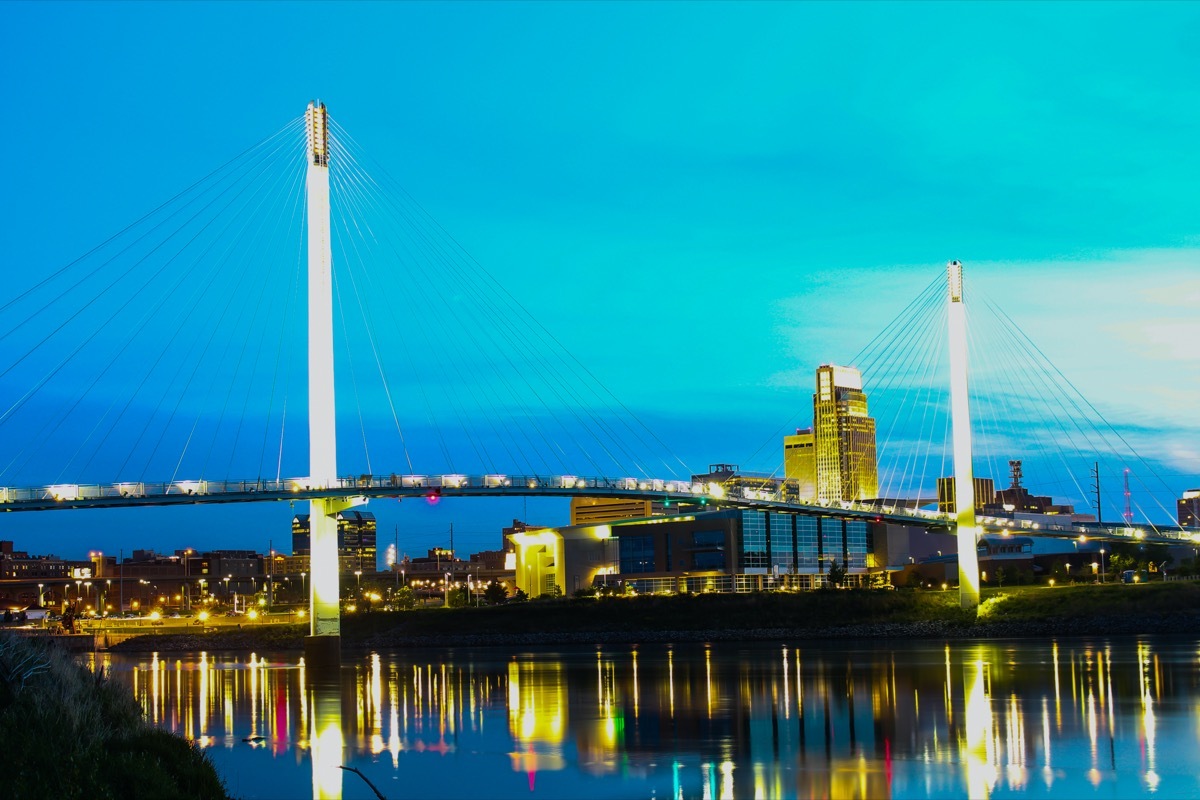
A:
[843, 437]
[1189, 509]
[355, 539]
[800, 464]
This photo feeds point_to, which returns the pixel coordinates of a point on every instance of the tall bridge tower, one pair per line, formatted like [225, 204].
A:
[960, 425]
[325, 639]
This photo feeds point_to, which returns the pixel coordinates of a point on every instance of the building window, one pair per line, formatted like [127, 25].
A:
[708, 538]
[637, 554]
[754, 540]
[709, 559]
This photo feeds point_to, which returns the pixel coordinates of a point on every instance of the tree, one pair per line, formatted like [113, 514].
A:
[458, 598]
[495, 593]
[836, 576]
[405, 599]
[519, 596]
[1001, 576]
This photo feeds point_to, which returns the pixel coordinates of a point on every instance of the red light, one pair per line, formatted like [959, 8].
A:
[433, 495]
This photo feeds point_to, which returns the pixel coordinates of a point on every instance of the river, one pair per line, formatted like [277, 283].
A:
[1070, 718]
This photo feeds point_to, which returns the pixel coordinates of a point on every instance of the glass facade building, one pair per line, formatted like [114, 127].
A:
[781, 543]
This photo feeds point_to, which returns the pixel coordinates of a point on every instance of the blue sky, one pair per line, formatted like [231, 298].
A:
[702, 201]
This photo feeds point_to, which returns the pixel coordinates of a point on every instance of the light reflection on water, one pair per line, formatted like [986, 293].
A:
[1068, 718]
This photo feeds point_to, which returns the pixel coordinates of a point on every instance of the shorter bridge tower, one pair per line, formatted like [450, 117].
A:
[960, 426]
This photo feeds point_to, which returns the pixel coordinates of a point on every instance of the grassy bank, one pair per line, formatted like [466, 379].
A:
[1022, 611]
[68, 732]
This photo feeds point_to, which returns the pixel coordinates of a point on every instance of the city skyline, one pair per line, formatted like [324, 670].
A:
[549, 177]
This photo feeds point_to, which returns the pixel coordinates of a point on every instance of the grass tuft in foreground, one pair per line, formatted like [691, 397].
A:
[68, 732]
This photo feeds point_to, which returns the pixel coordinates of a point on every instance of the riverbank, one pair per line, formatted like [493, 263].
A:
[1085, 610]
[68, 732]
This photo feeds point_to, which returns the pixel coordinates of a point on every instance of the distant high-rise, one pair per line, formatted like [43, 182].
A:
[985, 494]
[843, 437]
[800, 464]
[355, 538]
[1189, 509]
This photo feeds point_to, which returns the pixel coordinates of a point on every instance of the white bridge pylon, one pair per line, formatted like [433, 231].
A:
[324, 591]
[960, 426]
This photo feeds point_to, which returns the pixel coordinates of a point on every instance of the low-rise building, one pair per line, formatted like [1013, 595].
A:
[721, 550]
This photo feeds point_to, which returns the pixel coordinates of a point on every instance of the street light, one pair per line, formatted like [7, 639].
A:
[358, 576]
[303, 591]
[40, 595]
[447, 592]
[1102, 565]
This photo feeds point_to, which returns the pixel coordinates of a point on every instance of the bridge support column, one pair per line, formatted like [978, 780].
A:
[960, 425]
[323, 647]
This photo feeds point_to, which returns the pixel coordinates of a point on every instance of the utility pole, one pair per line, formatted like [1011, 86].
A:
[270, 570]
[1128, 505]
[1096, 489]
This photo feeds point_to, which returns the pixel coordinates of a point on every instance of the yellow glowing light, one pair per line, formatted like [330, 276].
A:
[716, 491]
[299, 612]
[155, 615]
[202, 616]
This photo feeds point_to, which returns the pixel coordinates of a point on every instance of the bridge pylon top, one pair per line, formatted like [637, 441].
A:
[954, 272]
[317, 125]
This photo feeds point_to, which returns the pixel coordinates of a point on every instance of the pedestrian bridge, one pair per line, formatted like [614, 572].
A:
[686, 495]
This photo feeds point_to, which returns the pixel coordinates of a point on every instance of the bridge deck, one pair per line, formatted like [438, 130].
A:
[695, 496]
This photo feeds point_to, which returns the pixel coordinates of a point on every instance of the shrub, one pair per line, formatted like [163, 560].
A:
[68, 732]
[405, 599]
[495, 594]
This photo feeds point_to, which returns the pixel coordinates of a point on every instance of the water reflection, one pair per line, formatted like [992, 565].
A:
[693, 721]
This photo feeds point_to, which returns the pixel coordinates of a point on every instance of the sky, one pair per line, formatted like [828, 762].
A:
[700, 201]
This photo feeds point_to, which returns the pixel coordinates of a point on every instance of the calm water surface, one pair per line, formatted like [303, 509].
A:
[1068, 718]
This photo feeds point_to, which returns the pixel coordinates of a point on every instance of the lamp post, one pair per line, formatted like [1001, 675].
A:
[226, 579]
[358, 577]
[104, 599]
[41, 597]
[303, 591]
[185, 589]
[1102, 565]
[88, 585]
[1068, 570]
[446, 601]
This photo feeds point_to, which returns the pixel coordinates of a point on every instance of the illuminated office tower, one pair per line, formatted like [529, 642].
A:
[1189, 509]
[800, 464]
[844, 437]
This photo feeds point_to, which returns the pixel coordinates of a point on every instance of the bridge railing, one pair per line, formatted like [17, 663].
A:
[70, 494]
